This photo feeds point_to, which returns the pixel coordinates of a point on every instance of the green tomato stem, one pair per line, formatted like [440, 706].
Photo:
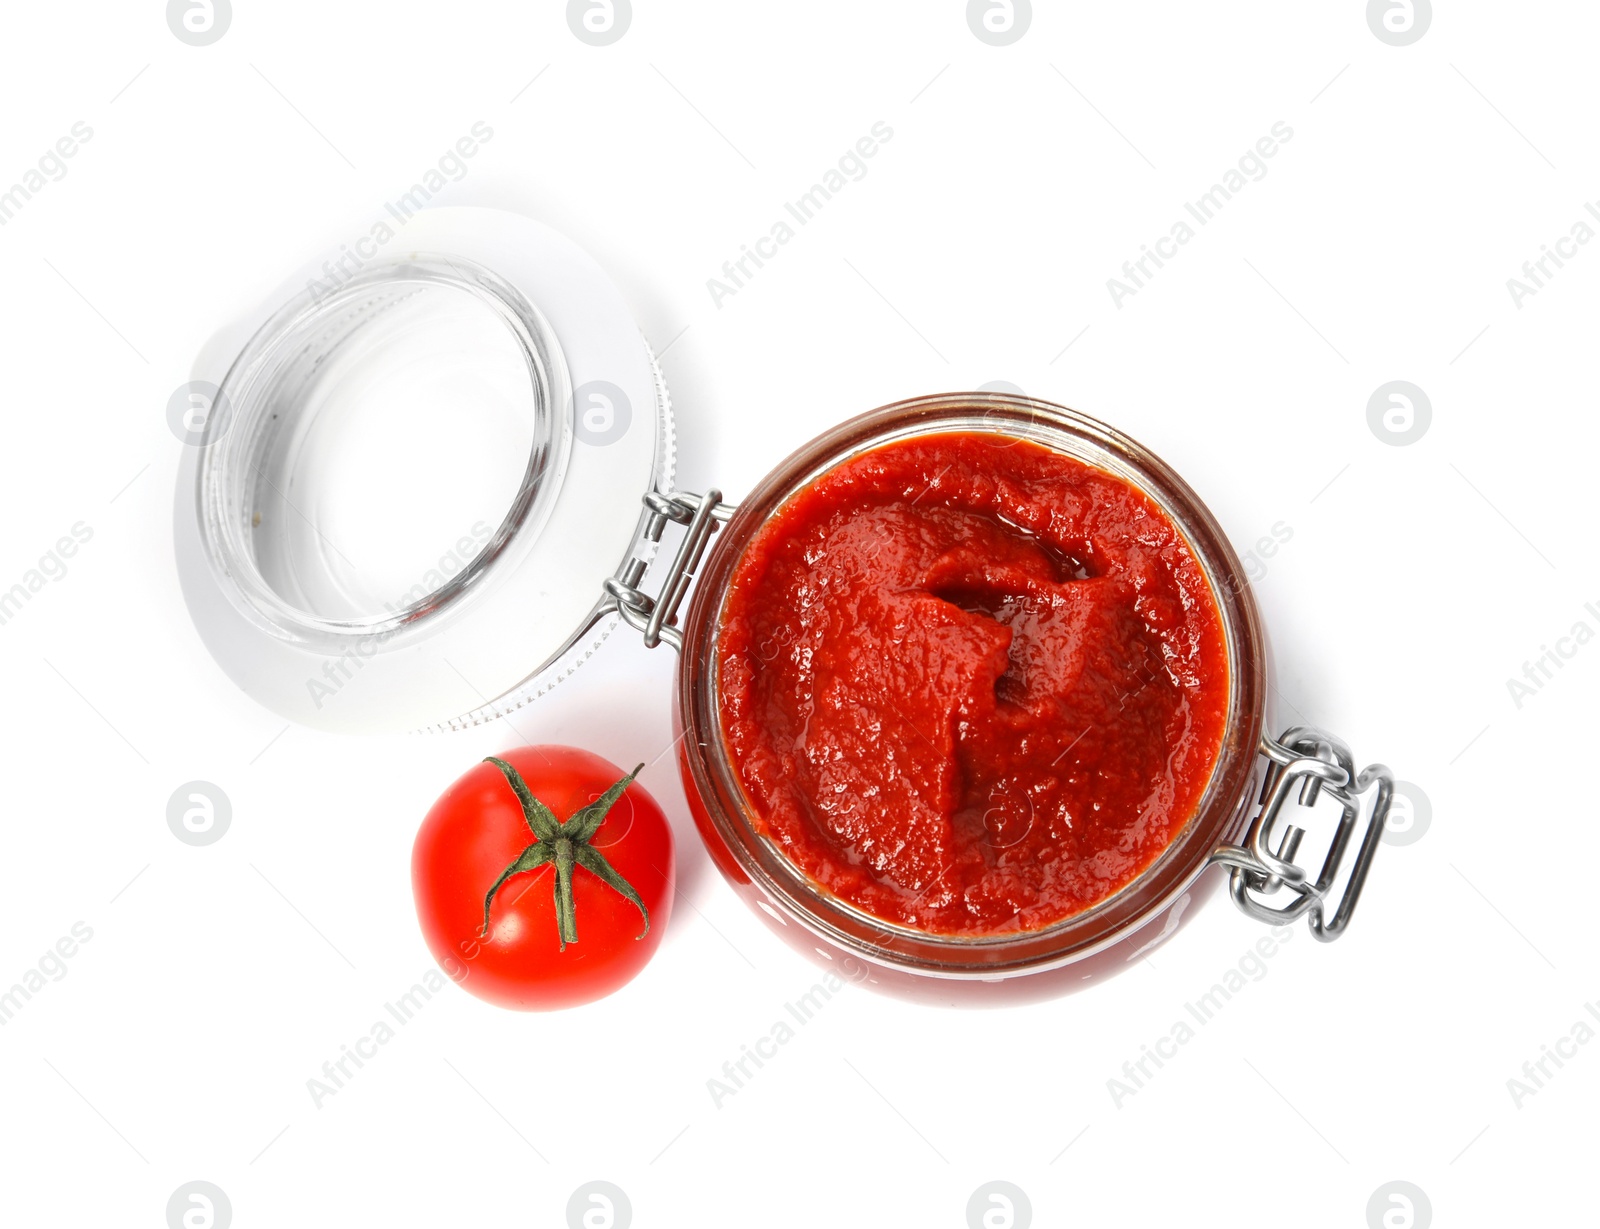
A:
[566, 843]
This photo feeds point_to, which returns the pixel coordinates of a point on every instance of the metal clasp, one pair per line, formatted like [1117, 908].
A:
[1265, 866]
[656, 617]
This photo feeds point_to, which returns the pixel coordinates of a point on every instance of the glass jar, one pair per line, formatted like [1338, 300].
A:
[491, 318]
[1223, 828]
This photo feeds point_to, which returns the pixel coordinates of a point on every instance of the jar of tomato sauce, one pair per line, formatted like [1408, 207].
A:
[970, 686]
[1226, 805]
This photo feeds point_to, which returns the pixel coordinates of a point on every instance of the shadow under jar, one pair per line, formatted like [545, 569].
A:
[1223, 826]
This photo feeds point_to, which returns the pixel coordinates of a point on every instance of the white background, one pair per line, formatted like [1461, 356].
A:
[1417, 581]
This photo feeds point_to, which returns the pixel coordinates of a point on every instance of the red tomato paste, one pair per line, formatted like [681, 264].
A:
[971, 685]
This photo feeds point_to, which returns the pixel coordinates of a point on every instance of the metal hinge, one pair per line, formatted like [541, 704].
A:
[656, 617]
[1264, 865]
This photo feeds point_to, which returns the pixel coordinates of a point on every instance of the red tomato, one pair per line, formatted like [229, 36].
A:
[581, 822]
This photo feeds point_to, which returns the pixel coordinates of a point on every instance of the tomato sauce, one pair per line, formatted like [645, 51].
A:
[971, 685]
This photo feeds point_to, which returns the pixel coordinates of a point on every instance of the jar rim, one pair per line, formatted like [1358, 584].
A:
[298, 338]
[1219, 812]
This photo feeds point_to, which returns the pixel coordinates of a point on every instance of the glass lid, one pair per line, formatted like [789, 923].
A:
[409, 474]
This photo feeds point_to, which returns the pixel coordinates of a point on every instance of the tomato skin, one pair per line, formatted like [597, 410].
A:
[476, 829]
